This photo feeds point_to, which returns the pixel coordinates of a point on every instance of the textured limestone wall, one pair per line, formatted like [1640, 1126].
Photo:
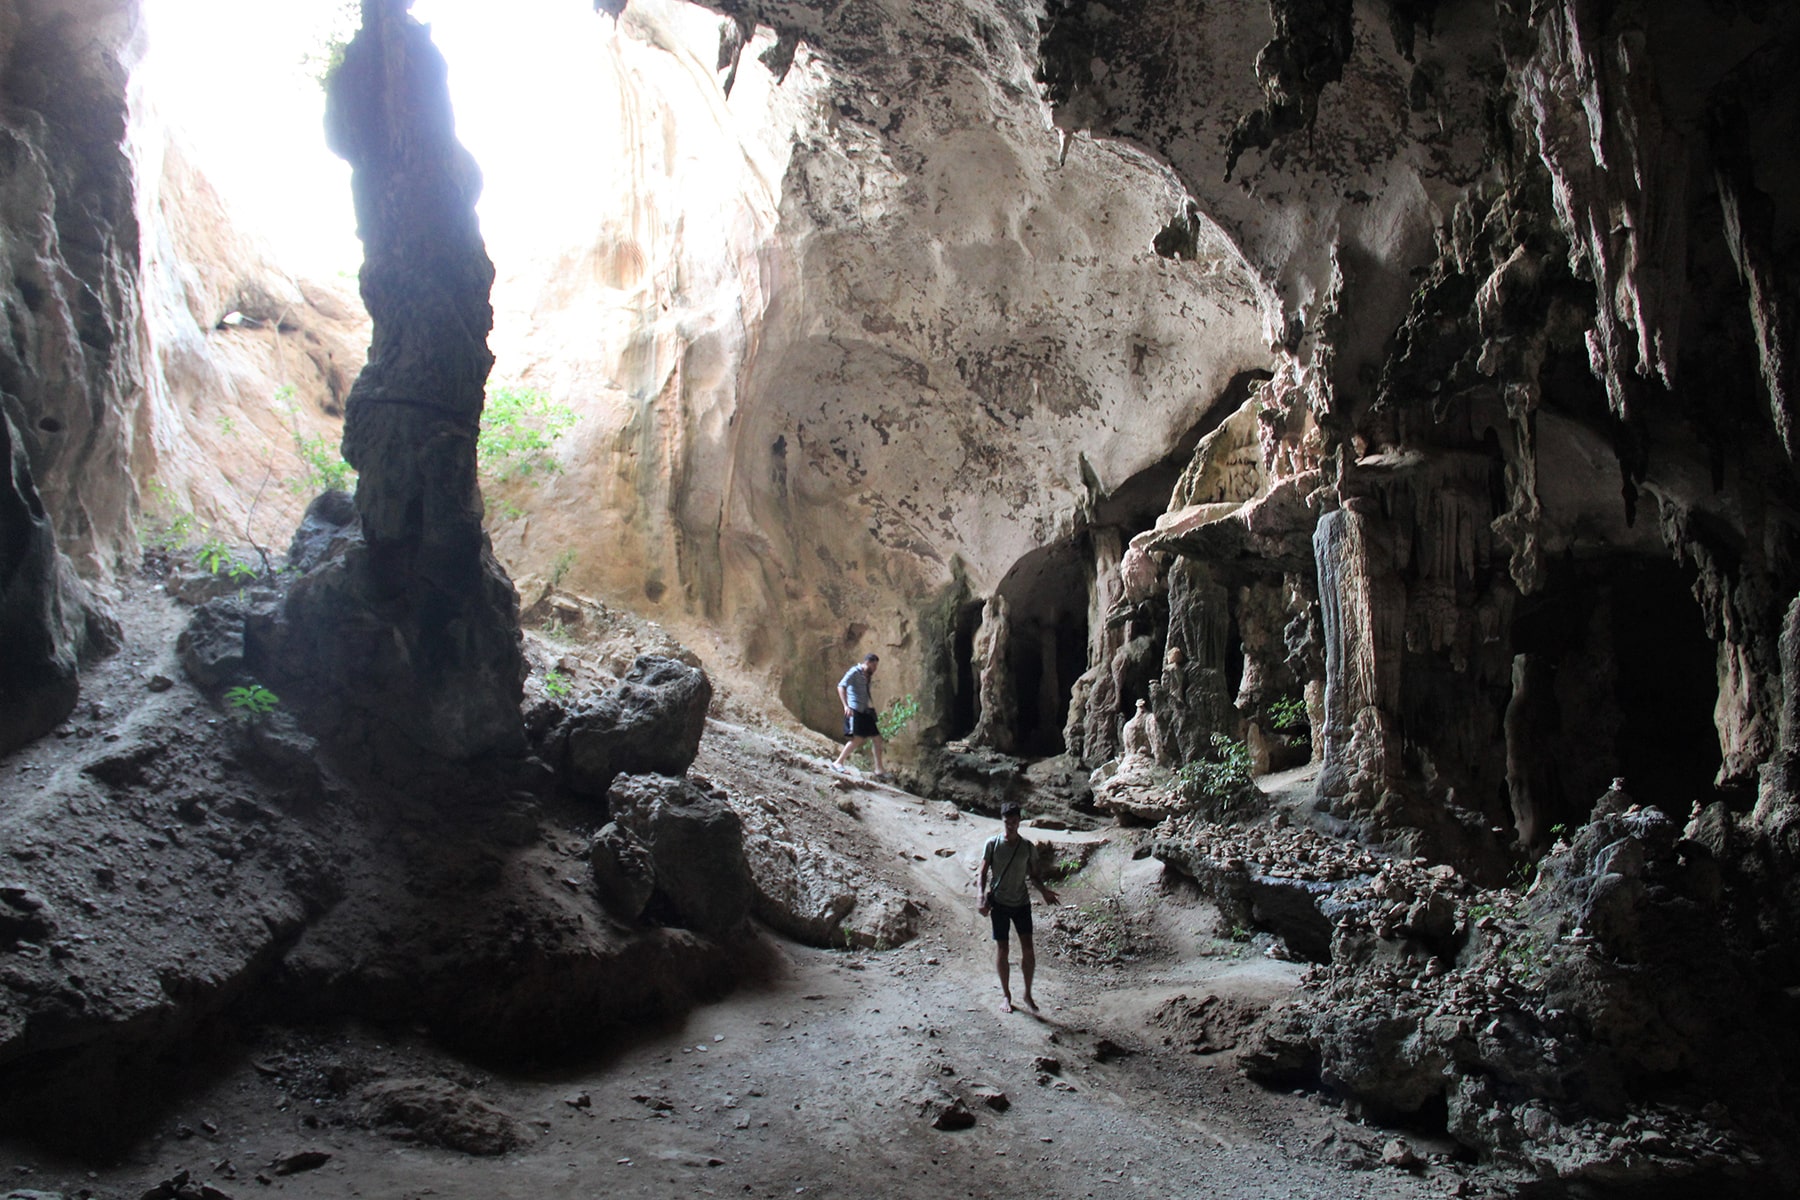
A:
[70, 365]
[244, 361]
[927, 337]
[1545, 359]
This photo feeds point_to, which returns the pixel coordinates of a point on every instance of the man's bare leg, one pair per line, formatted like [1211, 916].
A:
[1001, 965]
[875, 745]
[849, 749]
[1027, 964]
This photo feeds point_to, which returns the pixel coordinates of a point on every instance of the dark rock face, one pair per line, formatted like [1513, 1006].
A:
[70, 368]
[69, 373]
[409, 621]
[651, 722]
[623, 871]
[48, 621]
[695, 841]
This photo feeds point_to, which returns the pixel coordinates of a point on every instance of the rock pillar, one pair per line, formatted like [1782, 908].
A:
[1363, 609]
[414, 623]
[998, 723]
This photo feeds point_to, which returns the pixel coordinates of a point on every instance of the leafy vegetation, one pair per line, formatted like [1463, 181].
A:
[560, 567]
[326, 470]
[1288, 715]
[1223, 786]
[519, 431]
[899, 715]
[556, 684]
[339, 26]
[216, 558]
[252, 700]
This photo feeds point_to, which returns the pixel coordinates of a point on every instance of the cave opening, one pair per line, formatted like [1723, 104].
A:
[965, 696]
[1622, 681]
[1666, 686]
[1046, 593]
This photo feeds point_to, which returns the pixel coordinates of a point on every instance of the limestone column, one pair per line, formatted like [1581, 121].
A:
[998, 723]
[1362, 605]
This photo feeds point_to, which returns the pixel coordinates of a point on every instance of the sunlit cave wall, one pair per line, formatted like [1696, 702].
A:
[249, 354]
[852, 342]
[70, 361]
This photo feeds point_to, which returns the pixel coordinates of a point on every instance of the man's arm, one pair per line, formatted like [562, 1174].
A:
[981, 886]
[844, 699]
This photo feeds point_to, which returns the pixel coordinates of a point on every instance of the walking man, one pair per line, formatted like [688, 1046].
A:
[856, 695]
[1008, 862]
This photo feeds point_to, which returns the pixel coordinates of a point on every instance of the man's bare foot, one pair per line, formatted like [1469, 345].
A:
[1006, 1004]
[1030, 1003]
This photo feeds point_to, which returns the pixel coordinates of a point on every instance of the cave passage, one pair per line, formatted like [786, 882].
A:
[1667, 687]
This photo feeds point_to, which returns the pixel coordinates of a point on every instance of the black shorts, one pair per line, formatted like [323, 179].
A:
[1019, 915]
[862, 724]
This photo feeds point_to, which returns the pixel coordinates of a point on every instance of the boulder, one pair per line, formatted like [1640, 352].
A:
[696, 847]
[1139, 790]
[651, 722]
[624, 874]
[816, 896]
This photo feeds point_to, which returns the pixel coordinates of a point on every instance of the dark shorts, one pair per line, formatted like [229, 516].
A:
[863, 724]
[1019, 916]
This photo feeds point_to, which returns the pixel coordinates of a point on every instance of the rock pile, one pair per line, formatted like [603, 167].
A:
[1577, 1030]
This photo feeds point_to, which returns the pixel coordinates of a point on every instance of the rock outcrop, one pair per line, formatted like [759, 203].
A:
[411, 624]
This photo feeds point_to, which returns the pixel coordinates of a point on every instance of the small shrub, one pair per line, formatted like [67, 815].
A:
[899, 715]
[556, 684]
[1223, 786]
[519, 430]
[216, 558]
[326, 470]
[252, 700]
[322, 462]
[560, 567]
[334, 34]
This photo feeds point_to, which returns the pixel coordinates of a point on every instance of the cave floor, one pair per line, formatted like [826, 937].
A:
[823, 1078]
[812, 1083]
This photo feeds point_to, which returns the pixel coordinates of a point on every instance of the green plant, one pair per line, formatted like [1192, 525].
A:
[1288, 715]
[218, 559]
[556, 684]
[173, 533]
[326, 470]
[519, 430]
[560, 567]
[227, 426]
[326, 55]
[251, 700]
[1223, 785]
[899, 715]
[172, 526]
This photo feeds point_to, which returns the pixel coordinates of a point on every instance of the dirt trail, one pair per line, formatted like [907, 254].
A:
[814, 1082]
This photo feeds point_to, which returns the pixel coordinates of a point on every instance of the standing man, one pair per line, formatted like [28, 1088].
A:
[860, 725]
[1008, 862]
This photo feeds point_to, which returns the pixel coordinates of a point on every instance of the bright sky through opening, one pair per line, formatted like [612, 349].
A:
[232, 78]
